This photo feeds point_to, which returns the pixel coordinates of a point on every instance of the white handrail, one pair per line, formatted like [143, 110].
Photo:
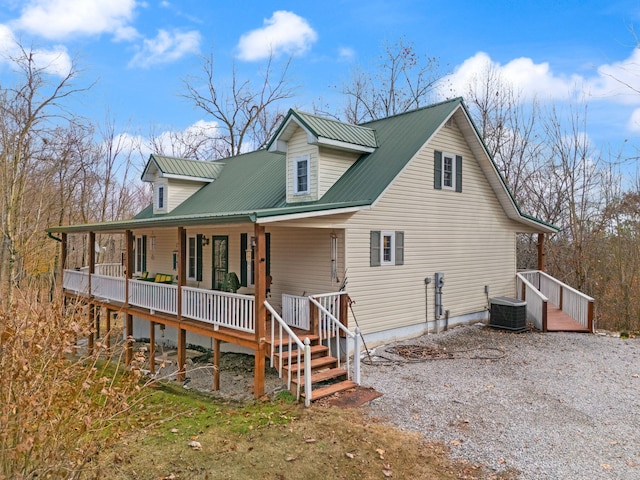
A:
[304, 347]
[159, 297]
[108, 287]
[334, 327]
[224, 309]
[536, 301]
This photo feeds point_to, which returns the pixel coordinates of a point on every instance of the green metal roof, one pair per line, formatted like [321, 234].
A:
[253, 185]
[185, 167]
[335, 130]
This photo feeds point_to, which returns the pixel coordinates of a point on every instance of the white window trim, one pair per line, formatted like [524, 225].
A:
[453, 171]
[138, 251]
[392, 260]
[195, 257]
[161, 188]
[296, 161]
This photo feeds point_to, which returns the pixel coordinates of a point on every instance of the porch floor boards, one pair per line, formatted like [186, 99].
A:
[558, 321]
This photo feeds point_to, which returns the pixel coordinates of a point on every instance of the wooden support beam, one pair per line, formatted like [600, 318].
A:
[344, 310]
[97, 323]
[152, 347]
[92, 326]
[260, 293]
[216, 364]
[258, 371]
[182, 354]
[590, 315]
[128, 352]
[544, 317]
[313, 318]
[107, 339]
[541, 252]
[64, 252]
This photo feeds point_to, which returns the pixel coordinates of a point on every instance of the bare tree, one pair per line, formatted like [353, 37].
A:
[247, 115]
[27, 111]
[401, 80]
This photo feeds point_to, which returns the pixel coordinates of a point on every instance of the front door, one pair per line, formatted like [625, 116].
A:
[220, 266]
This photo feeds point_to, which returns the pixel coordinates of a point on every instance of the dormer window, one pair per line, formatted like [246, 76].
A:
[301, 177]
[161, 199]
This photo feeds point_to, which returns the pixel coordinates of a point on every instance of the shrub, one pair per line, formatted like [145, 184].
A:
[60, 407]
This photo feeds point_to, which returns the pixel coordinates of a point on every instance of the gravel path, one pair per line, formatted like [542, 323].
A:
[553, 406]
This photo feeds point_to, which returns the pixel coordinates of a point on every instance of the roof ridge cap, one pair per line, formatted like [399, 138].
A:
[432, 105]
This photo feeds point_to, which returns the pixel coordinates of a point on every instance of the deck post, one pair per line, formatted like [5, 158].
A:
[152, 347]
[561, 296]
[107, 339]
[128, 264]
[544, 317]
[182, 281]
[313, 318]
[541, 252]
[590, 313]
[92, 324]
[260, 268]
[128, 349]
[63, 260]
[344, 310]
[216, 364]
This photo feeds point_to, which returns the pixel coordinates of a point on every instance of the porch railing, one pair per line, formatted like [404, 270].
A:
[286, 339]
[76, 281]
[154, 296]
[331, 331]
[295, 311]
[107, 269]
[224, 309]
[574, 303]
[536, 301]
[108, 287]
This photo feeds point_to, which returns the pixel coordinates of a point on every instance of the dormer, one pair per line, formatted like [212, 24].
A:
[318, 150]
[176, 179]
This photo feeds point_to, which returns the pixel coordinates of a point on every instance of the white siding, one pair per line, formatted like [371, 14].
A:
[332, 165]
[298, 147]
[464, 234]
[179, 190]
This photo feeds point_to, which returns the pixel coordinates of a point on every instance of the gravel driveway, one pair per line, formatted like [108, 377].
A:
[550, 406]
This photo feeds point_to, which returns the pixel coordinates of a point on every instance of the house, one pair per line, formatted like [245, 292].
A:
[407, 214]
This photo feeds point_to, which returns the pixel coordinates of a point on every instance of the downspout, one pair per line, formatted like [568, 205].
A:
[53, 237]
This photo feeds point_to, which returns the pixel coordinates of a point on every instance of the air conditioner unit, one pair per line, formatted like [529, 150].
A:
[508, 313]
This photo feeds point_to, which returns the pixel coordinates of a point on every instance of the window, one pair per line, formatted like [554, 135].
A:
[140, 254]
[386, 248]
[194, 258]
[301, 176]
[447, 171]
[248, 256]
[160, 197]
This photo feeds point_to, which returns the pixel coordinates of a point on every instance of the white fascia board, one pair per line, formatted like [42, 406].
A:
[320, 213]
[351, 147]
[185, 177]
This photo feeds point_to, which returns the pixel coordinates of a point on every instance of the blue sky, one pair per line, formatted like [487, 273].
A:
[139, 51]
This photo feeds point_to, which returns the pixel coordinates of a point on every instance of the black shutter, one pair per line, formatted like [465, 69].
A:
[243, 259]
[144, 254]
[437, 170]
[267, 244]
[399, 248]
[374, 252]
[458, 173]
[199, 257]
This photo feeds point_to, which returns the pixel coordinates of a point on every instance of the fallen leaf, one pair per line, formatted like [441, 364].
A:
[195, 445]
[350, 455]
[381, 453]
[387, 473]
[502, 461]
[310, 440]
[174, 430]
[290, 459]
[635, 375]
[606, 466]
[457, 443]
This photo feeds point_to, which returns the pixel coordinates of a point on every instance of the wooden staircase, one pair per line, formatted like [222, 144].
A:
[327, 377]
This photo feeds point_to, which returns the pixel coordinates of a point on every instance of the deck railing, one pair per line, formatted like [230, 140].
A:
[76, 281]
[331, 331]
[536, 301]
[295, 311]
[286, 339]
[571, 301]
[154, 296]
[108, 287]
[331, 303]
[223, 309]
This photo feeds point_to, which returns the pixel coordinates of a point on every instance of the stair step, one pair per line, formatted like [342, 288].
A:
[324, 375]
[316, 364]
[314, 339]
[316, 351]
[331, 389]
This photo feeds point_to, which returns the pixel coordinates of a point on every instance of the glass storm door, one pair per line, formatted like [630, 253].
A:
[220, 261]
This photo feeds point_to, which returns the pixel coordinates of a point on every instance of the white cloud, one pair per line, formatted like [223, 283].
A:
[619, 80]
[346, 54]
[166, 47]
[634, 121]
[55, 60]
[283, 33]
[61, 19]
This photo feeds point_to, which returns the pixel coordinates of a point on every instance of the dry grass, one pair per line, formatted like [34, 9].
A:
[272, 440]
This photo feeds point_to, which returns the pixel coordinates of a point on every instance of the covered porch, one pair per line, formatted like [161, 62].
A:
[282, 327]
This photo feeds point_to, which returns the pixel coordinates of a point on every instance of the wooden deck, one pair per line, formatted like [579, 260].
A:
[558, 321]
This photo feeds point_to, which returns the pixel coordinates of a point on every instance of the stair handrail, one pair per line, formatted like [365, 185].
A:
[303, 346]
[521, 295]
[588, 306]
[354, 336]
